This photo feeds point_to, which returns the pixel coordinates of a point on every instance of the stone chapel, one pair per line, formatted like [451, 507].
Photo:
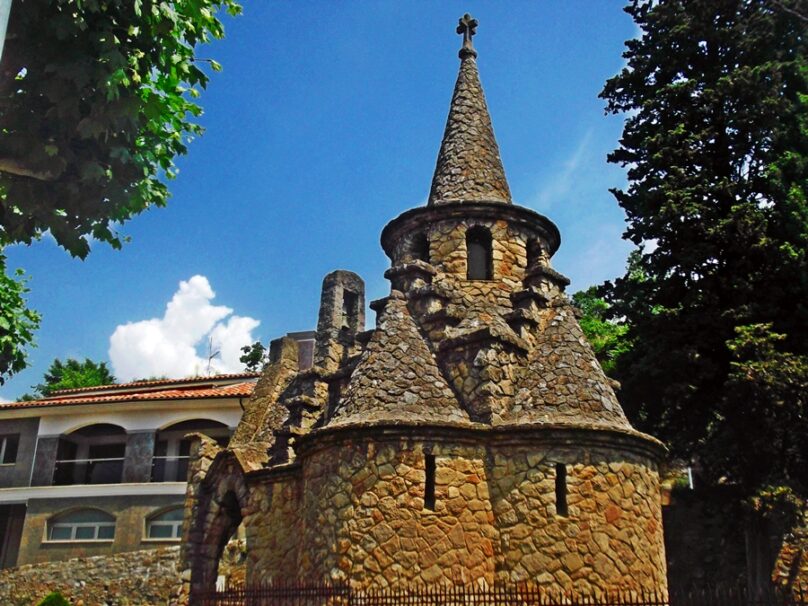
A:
[470, 437]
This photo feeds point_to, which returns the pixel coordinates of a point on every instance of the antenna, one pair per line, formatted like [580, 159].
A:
[211, 354]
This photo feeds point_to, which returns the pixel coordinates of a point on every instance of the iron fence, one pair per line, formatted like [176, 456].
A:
[299, 594]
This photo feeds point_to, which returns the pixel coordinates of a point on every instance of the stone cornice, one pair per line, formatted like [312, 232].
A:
[487, 435]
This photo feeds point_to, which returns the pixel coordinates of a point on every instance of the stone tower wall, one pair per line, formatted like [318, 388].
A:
[495, 519]
[273, 537]
[447, 247]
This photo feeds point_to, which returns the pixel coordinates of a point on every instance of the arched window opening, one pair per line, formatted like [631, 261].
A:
[533, 253]
[82, 525]
[91, 455]
[172, 449]
[350, 309]
[478, 250]
[165, 525]
[420, 248]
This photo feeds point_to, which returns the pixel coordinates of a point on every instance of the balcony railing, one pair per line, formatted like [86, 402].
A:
[169, 469]
[68, 472]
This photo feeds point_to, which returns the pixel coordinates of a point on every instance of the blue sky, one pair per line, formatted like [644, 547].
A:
[324, 125]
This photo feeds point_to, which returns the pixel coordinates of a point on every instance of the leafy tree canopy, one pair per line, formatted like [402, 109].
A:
[17, 322]
[255, 357]
[96, 100]
[71, 375]
[716, 145]
[606, 335]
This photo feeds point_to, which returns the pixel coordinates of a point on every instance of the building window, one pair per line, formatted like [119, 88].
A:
[534, 253]
[561, 489]
[165, 525]
[420, 248]
[8, 448]
[350, 309]
[479, 262]
[82, 525]
[429, 488]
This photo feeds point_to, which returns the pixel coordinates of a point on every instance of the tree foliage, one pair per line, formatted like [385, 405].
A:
[71, 374]
[17, 323]
[605, 335]
[716, 145]
[254, 357]
[96, 101]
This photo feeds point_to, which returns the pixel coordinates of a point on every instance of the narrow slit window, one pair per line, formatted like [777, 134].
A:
[479, 262]
[561, 489]
[429, 488]
[533, 253]
[350, 310]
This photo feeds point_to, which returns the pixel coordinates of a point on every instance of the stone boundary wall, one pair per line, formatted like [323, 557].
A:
[136, 578]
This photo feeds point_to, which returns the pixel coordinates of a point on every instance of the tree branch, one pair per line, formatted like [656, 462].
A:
[14, 167]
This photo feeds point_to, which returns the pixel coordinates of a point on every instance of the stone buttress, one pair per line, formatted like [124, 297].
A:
[470, 437]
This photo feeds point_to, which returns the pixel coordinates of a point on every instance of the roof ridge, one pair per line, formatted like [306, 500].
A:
[155, 383]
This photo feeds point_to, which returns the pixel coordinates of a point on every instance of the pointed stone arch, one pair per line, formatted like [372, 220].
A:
[220, 505]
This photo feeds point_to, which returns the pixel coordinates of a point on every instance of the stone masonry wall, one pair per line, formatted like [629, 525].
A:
[365, 519]
[612, 535]
[137, 578]
[494, 519]
[274, 536]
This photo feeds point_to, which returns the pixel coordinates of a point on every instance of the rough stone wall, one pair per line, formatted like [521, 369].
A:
[494, 519]
[509, 252]
[365, 520]
[274, 532]
[137, 578]
[612, 536]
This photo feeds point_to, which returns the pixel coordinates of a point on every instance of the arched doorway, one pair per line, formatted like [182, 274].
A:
[220, 511]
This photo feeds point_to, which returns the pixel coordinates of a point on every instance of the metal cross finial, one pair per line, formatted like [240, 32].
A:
[467, 25]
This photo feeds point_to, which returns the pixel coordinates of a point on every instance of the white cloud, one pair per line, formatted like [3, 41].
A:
[170, 346]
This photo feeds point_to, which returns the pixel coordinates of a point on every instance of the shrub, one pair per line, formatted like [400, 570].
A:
[54, 599]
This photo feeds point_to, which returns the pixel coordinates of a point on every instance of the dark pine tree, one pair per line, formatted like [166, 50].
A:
[715, 94]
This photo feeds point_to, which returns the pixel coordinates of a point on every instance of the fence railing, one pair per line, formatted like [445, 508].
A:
[294, 594]
[169, 469]
[68, 472]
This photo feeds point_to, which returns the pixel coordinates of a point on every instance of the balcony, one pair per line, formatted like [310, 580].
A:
[68, 472]
[93, 454]
[169, 469]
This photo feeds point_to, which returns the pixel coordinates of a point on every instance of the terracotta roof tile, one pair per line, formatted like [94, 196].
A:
[242, 389]
[158, 382]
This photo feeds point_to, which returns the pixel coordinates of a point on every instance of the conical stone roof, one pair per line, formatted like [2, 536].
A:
[397, 378]
[469, 168]
[564, 384]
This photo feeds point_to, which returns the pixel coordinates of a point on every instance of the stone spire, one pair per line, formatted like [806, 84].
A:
[469, 168]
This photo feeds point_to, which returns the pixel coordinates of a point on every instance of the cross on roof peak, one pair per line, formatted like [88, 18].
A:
[467, 25]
